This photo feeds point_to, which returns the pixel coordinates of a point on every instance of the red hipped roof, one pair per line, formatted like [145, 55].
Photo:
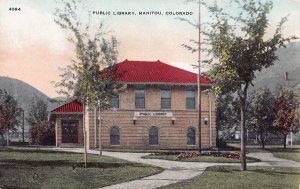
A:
[143, 72]
[155, 72]
[72, 107]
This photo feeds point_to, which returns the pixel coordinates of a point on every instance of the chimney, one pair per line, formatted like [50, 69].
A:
[286, 76]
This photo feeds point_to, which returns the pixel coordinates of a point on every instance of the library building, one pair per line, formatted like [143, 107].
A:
[157, 110]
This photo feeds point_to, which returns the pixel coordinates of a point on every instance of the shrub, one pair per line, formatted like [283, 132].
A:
[184, 155]
[221, 143]
[43, 133]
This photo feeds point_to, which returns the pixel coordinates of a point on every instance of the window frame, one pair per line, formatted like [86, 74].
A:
[188, 136]
[135, 98]
[188, 98]
[156, 136]
[118, 97]
[111, 134]
[163, 98]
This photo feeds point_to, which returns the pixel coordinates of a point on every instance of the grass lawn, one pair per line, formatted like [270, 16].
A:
[198, 159]
[47, 169]
[291, 152]
[228, 177]
[288, 155]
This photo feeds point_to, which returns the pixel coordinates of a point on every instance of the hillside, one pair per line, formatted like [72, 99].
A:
[273, 77]
[25, 93]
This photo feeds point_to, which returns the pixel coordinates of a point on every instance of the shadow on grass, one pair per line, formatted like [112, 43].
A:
[289, 150]
[275, 172]
[14, 187]
[35, 150]
[234, 170]
[12, 163]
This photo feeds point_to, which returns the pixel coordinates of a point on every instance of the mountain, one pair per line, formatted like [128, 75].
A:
[274, 76]
[25, 93]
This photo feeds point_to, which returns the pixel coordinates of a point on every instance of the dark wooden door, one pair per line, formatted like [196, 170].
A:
[69, 131]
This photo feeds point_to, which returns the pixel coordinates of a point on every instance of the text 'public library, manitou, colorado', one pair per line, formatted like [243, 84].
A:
[158, 110]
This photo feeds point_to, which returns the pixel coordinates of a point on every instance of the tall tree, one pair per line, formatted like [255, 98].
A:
[262, 113]
[9, 112]
[238, 47]
[83, 79]
[286, 119]
[41, 130]
[38, 112]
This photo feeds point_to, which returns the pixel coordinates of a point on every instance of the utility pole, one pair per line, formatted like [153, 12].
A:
[199, 78]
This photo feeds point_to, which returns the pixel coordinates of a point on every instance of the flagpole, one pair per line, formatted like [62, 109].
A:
[199, 78]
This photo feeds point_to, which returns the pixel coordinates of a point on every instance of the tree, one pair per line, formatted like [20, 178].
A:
[238, 47]
[226, 113]
[286, 119]
[83, 79]
[262, 113]
[38, 112]
[9, 113]
[42, 131]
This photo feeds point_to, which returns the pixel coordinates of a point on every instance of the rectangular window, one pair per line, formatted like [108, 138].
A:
[190, 101]
[140, 99]
[115, 101]
[165, 102]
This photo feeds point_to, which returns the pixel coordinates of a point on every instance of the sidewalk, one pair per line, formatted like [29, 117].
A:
[175, 171]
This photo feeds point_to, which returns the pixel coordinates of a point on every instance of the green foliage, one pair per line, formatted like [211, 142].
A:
[41, 130]
[38, 112]
[83, 79]
[227, 113]
[9, 112]
[43, 133]
[238, 48]
[262, 103]
[239, 45]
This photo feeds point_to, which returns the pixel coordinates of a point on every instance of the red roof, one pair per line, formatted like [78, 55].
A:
[143, 72]
[155, 72]
[72, 107]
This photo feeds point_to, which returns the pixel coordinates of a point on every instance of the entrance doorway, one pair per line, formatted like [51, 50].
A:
[69, 131]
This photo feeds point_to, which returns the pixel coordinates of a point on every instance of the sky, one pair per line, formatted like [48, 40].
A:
[33, 47]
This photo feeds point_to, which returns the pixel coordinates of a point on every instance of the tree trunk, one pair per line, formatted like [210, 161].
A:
[84, 137]
[100, 144]
[243, 123]
[284, 141]
[262, 139]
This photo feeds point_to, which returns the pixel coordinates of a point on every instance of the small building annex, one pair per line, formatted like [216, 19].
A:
[158, 110]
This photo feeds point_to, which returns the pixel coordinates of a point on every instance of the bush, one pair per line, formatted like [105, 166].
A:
[43, 133]
[221, 143]
[184, 155]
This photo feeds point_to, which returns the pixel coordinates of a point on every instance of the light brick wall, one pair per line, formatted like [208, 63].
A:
[170, 136]
[136, 136]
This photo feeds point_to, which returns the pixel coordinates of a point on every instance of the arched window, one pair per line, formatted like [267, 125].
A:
[153, 136]
[114, 136]
[191, 136]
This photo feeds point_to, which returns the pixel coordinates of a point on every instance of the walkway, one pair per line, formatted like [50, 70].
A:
[177, 171]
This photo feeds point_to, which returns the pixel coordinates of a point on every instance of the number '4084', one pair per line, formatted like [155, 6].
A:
[14, 9]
